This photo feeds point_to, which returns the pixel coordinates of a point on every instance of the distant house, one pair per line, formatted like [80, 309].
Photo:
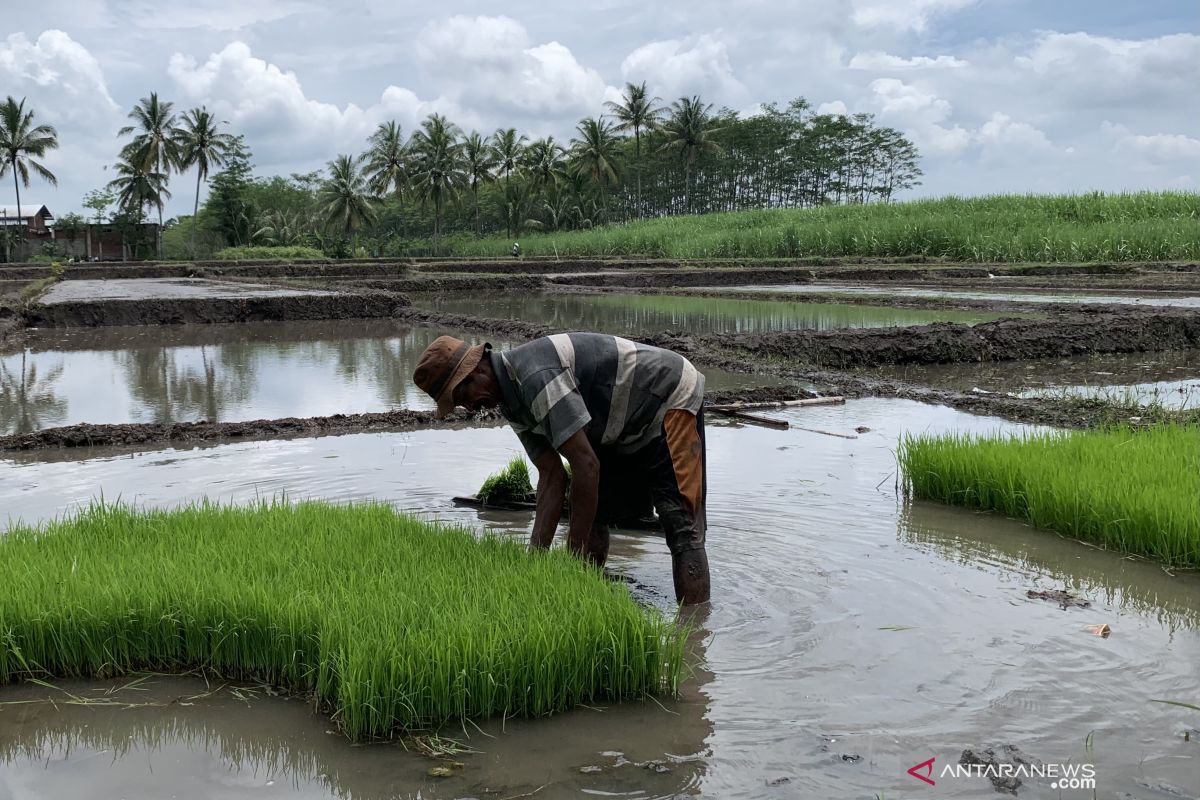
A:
[103, 242]
[34, 216]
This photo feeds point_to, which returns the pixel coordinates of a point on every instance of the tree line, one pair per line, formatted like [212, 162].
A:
[641, 158]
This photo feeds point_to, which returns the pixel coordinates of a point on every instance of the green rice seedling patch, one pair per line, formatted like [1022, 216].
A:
[509, 484]
[387, 621]
[1130, 490]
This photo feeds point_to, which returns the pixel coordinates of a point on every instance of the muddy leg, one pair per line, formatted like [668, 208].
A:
[690, 571]
[597, 545]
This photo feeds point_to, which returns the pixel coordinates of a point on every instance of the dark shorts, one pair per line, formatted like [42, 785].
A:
[668, 476]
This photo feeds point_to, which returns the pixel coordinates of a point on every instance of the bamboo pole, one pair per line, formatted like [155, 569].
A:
[781, 424]
[809, 401]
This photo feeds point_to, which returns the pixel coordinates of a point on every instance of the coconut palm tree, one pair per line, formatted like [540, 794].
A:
[138, 190]
[386, 164]
[510, 151]
[688, 132]
[544, 163]
[479, 161]
[20, 142]
[438, 171]
[595, 153]
[637, 112]
[346, 200]
[279, 228]
[153, 146]
[199, 143]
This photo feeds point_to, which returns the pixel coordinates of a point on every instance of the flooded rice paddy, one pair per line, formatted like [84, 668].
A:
[1168, 378]
[852, 635]
[91, 291]
[223, 373]
[632, 314]
[1023, 295]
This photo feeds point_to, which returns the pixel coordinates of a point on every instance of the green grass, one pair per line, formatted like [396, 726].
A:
[254, 252]
[1002, 228]
[390, 622]
[1134, 491]
[510, 483]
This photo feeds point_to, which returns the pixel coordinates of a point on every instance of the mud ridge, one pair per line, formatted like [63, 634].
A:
[1004, 340]
[399, 420]
[175, 311]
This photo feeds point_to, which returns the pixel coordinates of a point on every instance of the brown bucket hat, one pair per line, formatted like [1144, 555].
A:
[443, 366]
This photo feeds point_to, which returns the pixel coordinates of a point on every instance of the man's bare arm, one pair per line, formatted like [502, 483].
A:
[585, 489]
[551, 489]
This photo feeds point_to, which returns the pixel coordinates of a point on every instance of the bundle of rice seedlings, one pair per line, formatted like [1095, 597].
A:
[508, 485]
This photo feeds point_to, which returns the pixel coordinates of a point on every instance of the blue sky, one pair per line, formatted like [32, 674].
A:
[1000, 95]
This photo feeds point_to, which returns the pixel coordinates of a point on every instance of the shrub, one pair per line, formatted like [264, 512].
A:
[260, 253]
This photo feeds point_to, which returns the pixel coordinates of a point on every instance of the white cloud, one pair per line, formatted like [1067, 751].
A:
[282, 124]
[835, 107]
[879, 61]
[59, 64]
[903, 15]
[1002, 131]
[489, 62]
[1167, 147]
[211, 14]
[894, 96]
[677, 68]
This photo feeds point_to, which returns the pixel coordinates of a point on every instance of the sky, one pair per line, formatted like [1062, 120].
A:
[999, 95]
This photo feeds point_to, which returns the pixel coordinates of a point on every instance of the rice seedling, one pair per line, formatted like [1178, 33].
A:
[1147, 226]
[1131, 490]
[510, 483]
[387, 621]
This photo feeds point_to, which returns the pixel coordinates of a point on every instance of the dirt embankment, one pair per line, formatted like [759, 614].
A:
[141, 433]
[451, 283]
[176, 311]
[210, 269]
[1004, 340]
[506, 328]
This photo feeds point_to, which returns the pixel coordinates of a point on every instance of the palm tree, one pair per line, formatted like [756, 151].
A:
[20, 142]
[544, 163]
[637, 112]
[345, 198]
[438, 173]
[279, 228]
[138, 189]
[387, 160]
[479, 159]
[689, 132]
[594, 153]
[154, 146]
[510, 149]
[200, 144]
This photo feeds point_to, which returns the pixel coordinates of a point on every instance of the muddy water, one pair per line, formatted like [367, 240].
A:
[1024, 295]
[637, 314]
[1169, 378]
[223, 373]
[845, 623]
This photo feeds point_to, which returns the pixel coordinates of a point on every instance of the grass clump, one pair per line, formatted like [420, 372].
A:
[1141, 226]
[259, 253]
[387, 620]
[510, 483]
[1131, 490]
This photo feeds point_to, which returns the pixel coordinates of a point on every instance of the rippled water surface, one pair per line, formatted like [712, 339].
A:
[631, 313]
[852, 635]
[1024, 295]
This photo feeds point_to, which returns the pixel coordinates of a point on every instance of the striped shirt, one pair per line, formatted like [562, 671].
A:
[616, 390]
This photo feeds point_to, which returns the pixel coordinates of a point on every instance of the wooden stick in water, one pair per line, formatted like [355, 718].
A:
[752, 418]
[827, 433]
[810, 401]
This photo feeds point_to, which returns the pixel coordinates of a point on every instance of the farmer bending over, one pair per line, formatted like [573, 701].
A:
[627, 418]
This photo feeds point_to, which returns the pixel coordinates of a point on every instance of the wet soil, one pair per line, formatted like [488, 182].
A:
[1132, 331]
[209, 269]
[398, 420]
[176, 311]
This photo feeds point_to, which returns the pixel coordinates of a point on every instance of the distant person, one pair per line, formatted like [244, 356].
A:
[627, 417]
[516, 250]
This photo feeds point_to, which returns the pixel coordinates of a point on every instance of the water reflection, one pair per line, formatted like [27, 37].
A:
[212, 372]
[638, 314]
[27, 394]
[1104, 577]
[162, 736]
